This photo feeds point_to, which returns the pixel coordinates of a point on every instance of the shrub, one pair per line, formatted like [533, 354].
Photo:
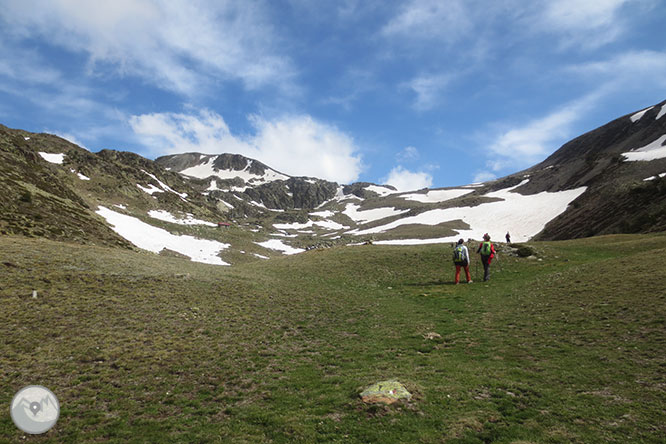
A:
[525, 251]
[26, 197]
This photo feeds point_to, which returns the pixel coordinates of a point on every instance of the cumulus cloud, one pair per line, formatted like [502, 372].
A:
[178, 45]
[295, 145]
[404, 180]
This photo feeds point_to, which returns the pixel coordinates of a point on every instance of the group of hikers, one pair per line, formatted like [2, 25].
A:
[462, 260]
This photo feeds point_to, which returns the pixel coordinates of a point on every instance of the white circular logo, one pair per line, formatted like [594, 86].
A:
[35, 409]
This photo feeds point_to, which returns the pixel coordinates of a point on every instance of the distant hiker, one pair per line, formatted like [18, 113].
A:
[461, 260]
[508, 238]
[487, 250]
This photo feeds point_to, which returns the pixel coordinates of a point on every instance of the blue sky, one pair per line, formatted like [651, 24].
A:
[414, 93]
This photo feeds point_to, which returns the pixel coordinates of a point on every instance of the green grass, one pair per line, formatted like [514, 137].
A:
[144, 348]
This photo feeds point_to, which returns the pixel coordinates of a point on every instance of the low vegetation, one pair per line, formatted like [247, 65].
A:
[145, 348]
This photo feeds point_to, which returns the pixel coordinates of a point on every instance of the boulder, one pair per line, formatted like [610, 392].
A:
[385, 392]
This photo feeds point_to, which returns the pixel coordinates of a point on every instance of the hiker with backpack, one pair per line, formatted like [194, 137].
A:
[461, 260]
[487, 251]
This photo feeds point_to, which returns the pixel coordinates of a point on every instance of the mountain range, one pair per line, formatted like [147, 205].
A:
[226, 208]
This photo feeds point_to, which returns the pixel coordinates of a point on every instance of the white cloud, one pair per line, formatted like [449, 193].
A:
[631, 69]
[294, 145]
[178, 45]
[589, 24]
[484, 176]
[405, 180]
[428, 90]
[530, 143]
[409, 154]
[430, 19]
[69, 137]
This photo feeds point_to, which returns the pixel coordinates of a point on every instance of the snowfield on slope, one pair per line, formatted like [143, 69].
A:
[148, 237]
[53, 158]
[327, 224]
[652, 151]
[189, 219]
[436, 196]
[206, 170]
[523, 216]
[276, 244]
[365, 216]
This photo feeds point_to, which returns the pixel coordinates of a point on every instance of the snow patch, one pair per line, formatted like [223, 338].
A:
[652, 151]
[166, 187]
[53, 158]
[524, 216]
[324, 214]
[662, 112]
[636, 117]
[260, 256]
[382, 191]
[294, 226]
[326, 224]
[435, 196]
[276, 244]
[364, 216]
[340, 195]
[81, 176]
[150, 190]
[206, 169]
[330, 225]
[213, 186]
[655, 177]
[283, 235]
[189, 219]
[121, 206]
[155, 239]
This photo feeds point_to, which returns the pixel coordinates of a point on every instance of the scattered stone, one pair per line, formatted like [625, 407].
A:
[34, 294]
[432, 335]
[385, 392]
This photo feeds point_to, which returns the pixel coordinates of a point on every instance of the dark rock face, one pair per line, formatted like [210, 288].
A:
[230, 162]
[294, 193]
[359, 189]
[617, 199]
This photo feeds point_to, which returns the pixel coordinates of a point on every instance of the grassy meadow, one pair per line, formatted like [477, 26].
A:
[566, 348]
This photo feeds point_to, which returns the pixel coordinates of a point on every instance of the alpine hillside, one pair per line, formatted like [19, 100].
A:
[226, 208]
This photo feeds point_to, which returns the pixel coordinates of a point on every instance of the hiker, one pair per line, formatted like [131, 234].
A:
[508, 238]
[487, 250]
[461, 260]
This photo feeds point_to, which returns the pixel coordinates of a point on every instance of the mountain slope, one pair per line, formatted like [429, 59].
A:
[624, 195]
[229, 209]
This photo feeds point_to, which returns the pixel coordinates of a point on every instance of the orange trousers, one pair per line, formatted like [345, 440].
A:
[467, 275]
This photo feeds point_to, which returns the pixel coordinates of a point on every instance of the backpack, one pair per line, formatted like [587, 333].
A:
[486, 249]
[458, 255]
